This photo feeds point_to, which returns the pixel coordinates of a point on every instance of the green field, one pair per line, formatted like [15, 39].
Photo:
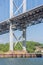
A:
[30, 47]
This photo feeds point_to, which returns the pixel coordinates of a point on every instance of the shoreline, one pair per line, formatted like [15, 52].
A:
[20, 54]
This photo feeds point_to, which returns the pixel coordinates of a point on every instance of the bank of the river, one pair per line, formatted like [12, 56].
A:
[31, 47]
[20, 54]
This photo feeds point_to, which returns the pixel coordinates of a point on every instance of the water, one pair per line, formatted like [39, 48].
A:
[21, 61]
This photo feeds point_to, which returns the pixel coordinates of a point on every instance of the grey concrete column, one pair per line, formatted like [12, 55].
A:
[11, 30]
[11, 38]
[24, 39]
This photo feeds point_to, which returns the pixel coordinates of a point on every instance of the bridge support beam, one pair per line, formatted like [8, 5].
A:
[24, 39]
[11, 8]
[11, 38]
[24, 6]
[24, 30]
[11, 30]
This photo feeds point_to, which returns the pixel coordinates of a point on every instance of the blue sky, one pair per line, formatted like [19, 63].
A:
[34, 33]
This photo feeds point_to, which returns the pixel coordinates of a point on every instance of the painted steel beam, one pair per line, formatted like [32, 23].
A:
[23, 20]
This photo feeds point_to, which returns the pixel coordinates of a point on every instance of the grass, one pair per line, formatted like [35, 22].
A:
[30, 46]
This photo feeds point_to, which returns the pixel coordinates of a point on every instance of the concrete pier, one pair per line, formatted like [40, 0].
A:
[21, 55]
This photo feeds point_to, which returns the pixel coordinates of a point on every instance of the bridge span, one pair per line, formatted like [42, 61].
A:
[23, 20]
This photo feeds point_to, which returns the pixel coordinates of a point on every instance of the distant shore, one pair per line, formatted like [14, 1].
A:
[31, 47]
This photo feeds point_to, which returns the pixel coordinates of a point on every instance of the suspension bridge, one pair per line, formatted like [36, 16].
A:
[21, 22]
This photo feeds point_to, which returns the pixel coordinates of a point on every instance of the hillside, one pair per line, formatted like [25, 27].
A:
[30, 47]
[33, 46]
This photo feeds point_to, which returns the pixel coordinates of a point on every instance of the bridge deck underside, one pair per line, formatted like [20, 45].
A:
[24, 20]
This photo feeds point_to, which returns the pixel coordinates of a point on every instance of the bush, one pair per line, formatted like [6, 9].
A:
[18, 47]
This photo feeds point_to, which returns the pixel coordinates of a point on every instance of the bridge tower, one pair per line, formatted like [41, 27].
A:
[24, 29]
[11, 30]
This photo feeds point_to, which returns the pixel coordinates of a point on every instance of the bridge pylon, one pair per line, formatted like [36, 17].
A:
[11, 30]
